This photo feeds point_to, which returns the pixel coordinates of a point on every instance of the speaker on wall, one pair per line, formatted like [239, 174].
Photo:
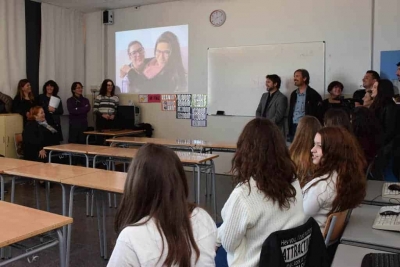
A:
[108, 17]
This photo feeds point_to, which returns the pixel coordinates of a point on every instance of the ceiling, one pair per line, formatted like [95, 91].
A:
[96, 5]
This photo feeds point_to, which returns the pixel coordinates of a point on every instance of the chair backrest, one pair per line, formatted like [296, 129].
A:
[299, 246]
[18, 145]
[334, 226]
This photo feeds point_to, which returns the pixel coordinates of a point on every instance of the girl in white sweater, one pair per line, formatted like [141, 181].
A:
[157, 226]
[267, 197]
[339, 182]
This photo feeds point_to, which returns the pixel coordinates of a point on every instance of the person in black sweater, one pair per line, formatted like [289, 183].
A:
[50, 88]
[24, 100]
[38, 134]
[303, 101]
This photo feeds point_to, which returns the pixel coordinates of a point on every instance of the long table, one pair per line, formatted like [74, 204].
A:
[199, 145]
[349, 256]
[19, 223]
[359, 231]
[111, 133]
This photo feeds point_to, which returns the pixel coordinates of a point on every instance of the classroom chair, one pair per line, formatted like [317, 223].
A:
[335, 226]
[300, 246]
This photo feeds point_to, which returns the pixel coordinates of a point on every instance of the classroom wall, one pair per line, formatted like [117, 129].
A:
[345, 25]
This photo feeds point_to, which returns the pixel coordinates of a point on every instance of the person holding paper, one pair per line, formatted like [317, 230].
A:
[52, 105]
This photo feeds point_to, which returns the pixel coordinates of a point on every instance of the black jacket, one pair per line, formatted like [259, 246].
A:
[52, 118]
[22, 106]
[300, 246]
[34, 138]
[312, 105]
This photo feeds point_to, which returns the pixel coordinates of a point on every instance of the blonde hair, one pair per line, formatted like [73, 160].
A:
[301, 147]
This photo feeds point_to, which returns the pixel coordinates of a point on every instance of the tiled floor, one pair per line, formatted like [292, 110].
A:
[85, 248]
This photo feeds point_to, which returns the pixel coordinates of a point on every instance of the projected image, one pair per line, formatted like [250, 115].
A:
[152, 60]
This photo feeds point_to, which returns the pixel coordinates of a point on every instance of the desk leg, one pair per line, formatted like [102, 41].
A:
[87, 138]
[12, 189]
[198, 184]
[69, 232]
[48, 196]
[61, 240]
[36, 184]
[2, 187]
[98, 199]
[104, 225]
[213, 184]
[194, 184]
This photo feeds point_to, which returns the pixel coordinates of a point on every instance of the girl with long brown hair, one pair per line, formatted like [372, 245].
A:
[300, 148]
[24, 100]
[157, 226]
[267, 197]
[339, 182]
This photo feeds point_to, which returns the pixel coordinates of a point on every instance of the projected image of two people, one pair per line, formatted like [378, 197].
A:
[161, 72]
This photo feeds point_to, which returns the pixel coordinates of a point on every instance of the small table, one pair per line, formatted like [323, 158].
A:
[349, 256]
[171, 143]
[9, 164]
[112, 133]
[19, 223]
[359, 231]
[374, 195]
[102, 181]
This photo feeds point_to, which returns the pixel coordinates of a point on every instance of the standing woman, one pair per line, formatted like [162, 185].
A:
[106, 105]
[37, 134]
[78, 108]
[156, 224]
[24, 100]
[50, 88]
[300, 148]
[339, 181]
[267, 197]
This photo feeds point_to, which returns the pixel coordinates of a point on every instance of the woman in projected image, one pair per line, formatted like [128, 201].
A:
[132, 74]
[165, 72]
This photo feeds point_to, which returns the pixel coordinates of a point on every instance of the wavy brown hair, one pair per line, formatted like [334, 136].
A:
[300, 148]
[156, 187]
[21, 84]
[337, 117]
[262, 155]
[342, 154]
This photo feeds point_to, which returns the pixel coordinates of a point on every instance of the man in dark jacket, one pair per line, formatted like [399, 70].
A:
[303, 101]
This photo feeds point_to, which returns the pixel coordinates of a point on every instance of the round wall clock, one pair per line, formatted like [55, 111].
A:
[217, 17]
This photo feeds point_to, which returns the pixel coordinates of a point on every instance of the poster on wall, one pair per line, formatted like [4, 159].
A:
[389, 61]
[198, 117]
[155, 60]
[168, 102]
[152, 98]
[183, 103]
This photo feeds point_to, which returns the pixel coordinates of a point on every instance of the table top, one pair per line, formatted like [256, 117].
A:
[217, 145]
[74, 148]
[109, 181]
[51, 172]
[19, 223]
[9, 163]
[351, 256]
[195, 158]
[359, 231]
[374, 195]
[113, 133]
[159, 141]
[113, 152]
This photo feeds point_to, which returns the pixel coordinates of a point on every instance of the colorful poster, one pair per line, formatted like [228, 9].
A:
[168, 102]
[199, 100]
[154, 98]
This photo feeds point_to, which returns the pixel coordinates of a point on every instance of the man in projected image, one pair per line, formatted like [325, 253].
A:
[132, 74]
[165, 72]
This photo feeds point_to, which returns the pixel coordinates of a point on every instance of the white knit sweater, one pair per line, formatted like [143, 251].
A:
[249, 218]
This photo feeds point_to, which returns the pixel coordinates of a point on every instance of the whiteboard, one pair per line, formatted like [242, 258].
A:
[236, 75]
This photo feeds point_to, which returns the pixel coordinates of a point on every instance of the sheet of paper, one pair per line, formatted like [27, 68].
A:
[54, 102]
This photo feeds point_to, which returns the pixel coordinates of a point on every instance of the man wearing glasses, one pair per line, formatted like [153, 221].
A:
[136, 55]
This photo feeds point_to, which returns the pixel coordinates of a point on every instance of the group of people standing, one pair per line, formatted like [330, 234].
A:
[42, 121]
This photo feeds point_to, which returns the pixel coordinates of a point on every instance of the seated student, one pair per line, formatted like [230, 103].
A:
[5, 103]
[368, 131]
[157, 225]
[105, 106]
[267, 197]
[337, 117]
[38, 134]
[301, 146]
[339, 181]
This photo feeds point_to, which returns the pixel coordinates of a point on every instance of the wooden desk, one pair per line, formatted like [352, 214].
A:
[8, 164]
[101, 180]
[111, 133]
[216, 146]
[359, 231]
[374, 195]
[72, 149]
[172, 143]
[19, 223]
[349, 256]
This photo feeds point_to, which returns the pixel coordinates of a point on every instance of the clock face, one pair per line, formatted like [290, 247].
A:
[217, 17]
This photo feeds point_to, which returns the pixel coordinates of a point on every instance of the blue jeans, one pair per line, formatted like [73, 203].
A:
[220, 257]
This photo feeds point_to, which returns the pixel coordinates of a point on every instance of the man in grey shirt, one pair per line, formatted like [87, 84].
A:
[273, 104]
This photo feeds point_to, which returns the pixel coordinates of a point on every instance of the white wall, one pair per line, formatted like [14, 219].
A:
[345, 25]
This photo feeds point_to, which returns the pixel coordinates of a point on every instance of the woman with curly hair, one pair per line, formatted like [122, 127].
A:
[339, 181]
[300, 148]
[267, 197]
